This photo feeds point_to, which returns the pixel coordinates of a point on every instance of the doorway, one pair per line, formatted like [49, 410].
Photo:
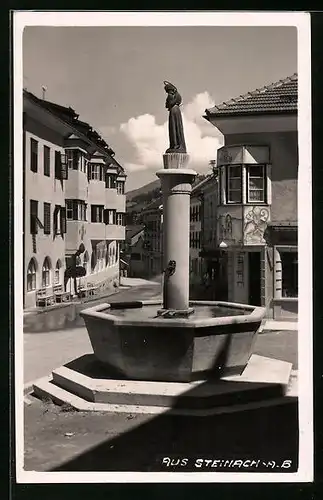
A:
[254, 276]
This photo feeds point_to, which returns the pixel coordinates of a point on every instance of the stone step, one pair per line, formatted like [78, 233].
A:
[66, 386]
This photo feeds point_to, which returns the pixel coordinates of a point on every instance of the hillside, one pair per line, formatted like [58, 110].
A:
[149, 192]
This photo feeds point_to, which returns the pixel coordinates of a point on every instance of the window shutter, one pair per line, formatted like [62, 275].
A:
[58, 168]
[63, 220]
[46, 218]
[64, 169]
[55, 219]
[114, 217]
[33, 216]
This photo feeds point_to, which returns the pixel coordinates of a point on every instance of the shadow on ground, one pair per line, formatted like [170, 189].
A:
[263, 440]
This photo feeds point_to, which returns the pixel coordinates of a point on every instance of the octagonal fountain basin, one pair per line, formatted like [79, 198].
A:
[131, 341]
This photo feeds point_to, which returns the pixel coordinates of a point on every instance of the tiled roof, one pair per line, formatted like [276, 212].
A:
[71, 117]
[278, 97]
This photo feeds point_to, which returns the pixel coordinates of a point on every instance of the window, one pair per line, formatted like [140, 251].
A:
[59, 219]
[289, 263]
[72, 156]
[76, 210]
[47, 161]
[96, 213]
[31, 275]
[96, 172]
[110, 181]
[33, 216]
[234, 184]
[110, 216]
[120, 187]
[256, 177]
[46, 272]
[57, 277]
[120, 219]
[46, 218]
[33, 155]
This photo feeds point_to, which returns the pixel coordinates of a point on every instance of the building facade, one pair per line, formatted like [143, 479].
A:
[152, 218]
[257, 173]
[73, 195]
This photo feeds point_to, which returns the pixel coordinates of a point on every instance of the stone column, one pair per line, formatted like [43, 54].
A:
[176, 185]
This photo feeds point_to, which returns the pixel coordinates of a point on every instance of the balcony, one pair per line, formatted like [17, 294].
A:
[76, 186]
[101, 231]
[115, 201]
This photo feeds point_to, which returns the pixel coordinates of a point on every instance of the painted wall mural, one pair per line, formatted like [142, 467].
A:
[256, 219]
[229, 227]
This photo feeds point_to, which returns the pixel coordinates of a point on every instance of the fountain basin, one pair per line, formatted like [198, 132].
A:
[131, 341]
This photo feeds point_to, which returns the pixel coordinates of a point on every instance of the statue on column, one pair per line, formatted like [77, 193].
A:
[175, 123]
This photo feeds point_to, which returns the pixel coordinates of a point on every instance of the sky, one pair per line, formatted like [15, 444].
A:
[113, 78]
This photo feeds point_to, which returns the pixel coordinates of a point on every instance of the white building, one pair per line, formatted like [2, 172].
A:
[73, 194]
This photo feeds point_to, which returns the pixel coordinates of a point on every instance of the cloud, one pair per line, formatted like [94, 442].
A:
[150, 140]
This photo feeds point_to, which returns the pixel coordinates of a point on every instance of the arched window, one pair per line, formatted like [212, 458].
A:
[86, 261]
[46, 272]
[31, 275]
[57, 277]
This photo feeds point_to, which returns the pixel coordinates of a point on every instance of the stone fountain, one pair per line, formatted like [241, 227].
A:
[150, 352]
[177, 340]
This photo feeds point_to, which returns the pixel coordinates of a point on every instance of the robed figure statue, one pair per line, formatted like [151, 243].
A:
[175, 123]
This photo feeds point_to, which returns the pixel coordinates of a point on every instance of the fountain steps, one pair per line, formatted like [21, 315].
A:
[264, 382]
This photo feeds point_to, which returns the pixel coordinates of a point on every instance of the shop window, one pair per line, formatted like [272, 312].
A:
[289, 264]
[256, 182]
[33, 155]
[47, 161]
[46, 273]
[234, 184]
[31, 275]
[57, 272]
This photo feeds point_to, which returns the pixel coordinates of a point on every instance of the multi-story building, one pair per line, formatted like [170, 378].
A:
[257, 198]
[73, 196]
[195, 236]
[152, 218]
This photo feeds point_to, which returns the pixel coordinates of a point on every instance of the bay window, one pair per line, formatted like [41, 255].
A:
[234, 183]
[110, 181]
[96, 173]
[76, 210]
[256, 183]
[120, 187]
[97, 213]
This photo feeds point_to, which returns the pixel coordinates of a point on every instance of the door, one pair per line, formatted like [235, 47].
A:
[254, 278]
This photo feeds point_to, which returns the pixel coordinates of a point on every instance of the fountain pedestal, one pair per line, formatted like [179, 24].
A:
[176, 185]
